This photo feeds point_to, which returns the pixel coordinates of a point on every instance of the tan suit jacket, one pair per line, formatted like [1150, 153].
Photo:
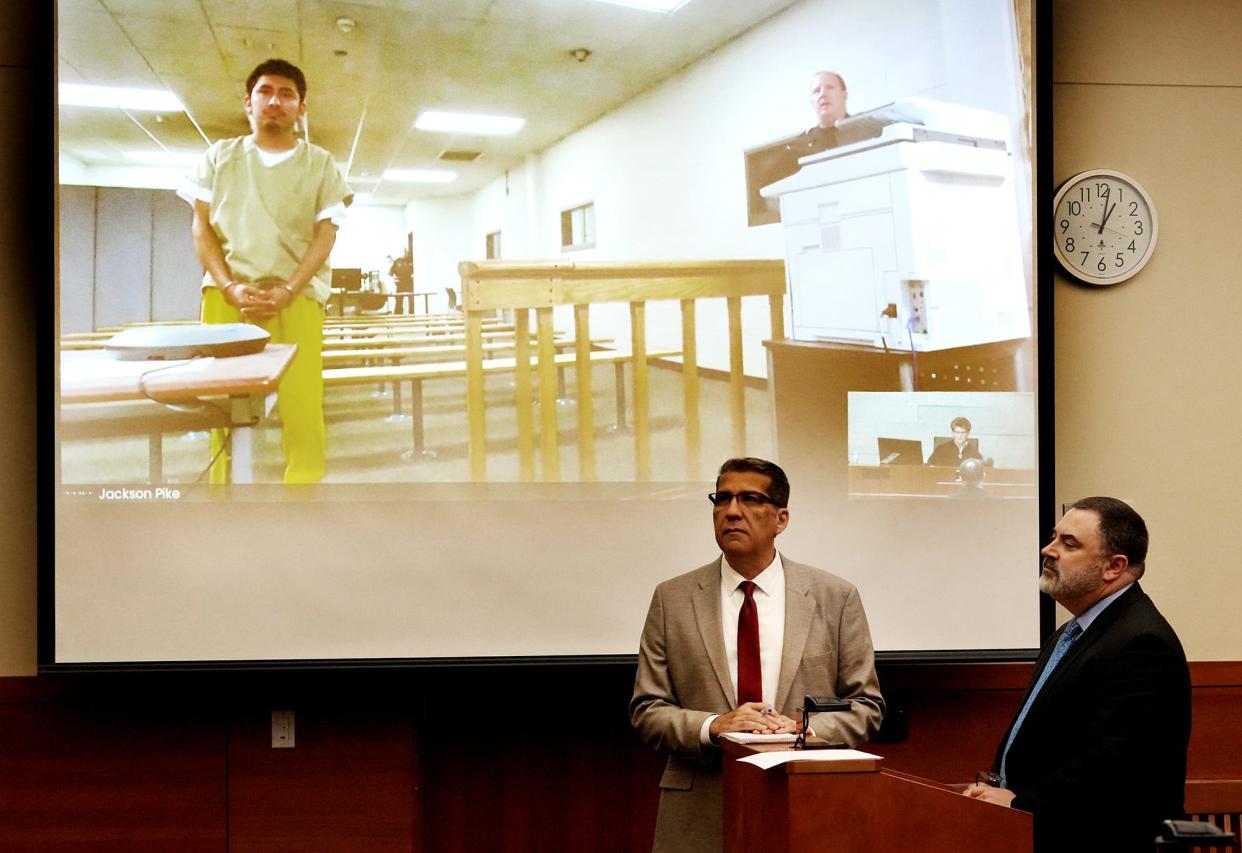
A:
[683, 678]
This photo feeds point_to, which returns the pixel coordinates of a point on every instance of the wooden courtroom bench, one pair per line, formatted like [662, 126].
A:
[428, 329]
[398, 353]
[96, 340]
[410, 340]
[417, 373]
[391, 319]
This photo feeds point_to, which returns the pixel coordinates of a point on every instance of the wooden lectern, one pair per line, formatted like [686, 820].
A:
[856, 806]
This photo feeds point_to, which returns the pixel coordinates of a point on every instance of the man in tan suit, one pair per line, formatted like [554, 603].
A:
[702, 671]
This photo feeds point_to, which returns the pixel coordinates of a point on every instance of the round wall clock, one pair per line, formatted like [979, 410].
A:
[1105, 226]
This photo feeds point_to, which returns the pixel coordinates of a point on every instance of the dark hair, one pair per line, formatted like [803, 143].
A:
[960, 421]
[778, 483]
[280, 68]
[1122, 530]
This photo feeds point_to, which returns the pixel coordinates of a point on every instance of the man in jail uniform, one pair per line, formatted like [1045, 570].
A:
[266, 210]
[733, 646]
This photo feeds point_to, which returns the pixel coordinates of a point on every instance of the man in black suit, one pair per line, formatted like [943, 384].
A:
[1098, 752]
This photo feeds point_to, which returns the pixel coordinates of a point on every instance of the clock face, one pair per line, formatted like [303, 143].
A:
[1105, 227]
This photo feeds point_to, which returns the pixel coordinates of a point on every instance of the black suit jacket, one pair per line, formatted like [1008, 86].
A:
[946, 453]
[1100, 759]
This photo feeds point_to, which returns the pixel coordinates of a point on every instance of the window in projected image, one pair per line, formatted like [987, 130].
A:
[514, 452]
[960, 445]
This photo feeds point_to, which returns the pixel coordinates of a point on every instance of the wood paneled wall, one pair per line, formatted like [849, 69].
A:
[519, 759]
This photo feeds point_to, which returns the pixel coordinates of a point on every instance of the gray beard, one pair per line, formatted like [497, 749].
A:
[1062, 588]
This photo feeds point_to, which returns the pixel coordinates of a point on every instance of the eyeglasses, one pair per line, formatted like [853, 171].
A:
[750, 500]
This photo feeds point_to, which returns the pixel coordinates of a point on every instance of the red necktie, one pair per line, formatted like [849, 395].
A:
[749, 677]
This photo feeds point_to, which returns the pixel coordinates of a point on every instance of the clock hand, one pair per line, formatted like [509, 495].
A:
[1107, 213]
[1100, 226]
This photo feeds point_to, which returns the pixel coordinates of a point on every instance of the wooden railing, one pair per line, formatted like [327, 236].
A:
[1217, 801]
[488, 286]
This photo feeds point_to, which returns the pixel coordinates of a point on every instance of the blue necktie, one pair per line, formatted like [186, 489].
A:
[1071, 633]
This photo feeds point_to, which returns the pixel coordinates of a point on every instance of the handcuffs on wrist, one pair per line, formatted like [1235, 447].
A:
[270, 283]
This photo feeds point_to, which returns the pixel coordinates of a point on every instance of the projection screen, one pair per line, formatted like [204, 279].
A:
[403, 553]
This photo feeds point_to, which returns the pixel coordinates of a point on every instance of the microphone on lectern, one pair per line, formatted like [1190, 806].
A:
[817, 704]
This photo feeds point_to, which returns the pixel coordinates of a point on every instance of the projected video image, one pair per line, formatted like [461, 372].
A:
[396, 364]
[530, 302]
[942, 445]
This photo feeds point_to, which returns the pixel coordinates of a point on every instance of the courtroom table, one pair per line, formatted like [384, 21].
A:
[817, 806]
[339, 297]
[404, 302]
[243, 383]
[934, 481]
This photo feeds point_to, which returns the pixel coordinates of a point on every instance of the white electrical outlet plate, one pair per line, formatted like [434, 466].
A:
[282, 729]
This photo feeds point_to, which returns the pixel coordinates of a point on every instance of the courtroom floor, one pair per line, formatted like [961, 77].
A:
[366, 444]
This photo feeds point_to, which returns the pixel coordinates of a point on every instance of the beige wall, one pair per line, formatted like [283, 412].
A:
[1149, 372]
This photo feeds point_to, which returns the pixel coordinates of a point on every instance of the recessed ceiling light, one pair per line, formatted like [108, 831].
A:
[166, 158]
[478, 123]
[119, 97]
[662, 6]
[420, 176]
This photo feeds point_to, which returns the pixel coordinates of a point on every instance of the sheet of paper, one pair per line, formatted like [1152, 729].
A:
[767, 760]
[748, 737]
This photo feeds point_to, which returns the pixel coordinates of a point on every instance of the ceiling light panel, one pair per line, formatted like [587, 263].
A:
[662, 6]
[476, 123]
[119, 97]
[420, 176]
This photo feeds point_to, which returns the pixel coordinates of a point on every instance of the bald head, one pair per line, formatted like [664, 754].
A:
[828, 95]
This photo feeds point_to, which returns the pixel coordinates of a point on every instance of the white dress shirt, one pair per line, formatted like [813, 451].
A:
[770, 604]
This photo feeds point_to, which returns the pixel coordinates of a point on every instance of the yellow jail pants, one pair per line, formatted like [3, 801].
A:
[300, 394]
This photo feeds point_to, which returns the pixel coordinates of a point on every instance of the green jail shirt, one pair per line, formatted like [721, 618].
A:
[265, 216]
